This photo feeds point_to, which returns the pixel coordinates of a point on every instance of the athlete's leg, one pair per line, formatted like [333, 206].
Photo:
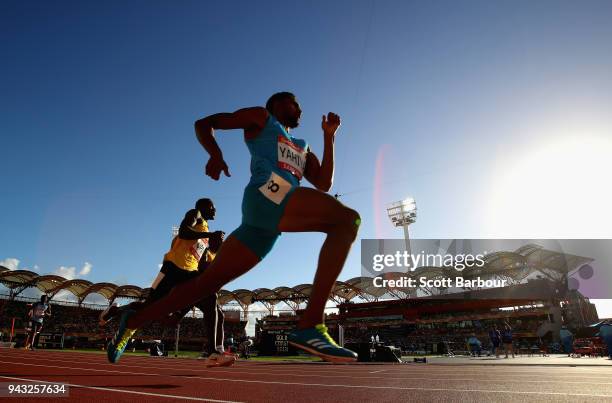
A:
[216, 356]
[310, 210]
[233, 260]
[29, 337]
[35, 335]
[208, 306]
[220, 322]
[161, 286]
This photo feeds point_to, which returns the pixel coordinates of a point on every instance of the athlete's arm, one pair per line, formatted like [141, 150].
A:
[186, 231]
[251, 120]
[190, 234]
[321, 175]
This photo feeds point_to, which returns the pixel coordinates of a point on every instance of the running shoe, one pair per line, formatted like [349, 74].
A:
[317, 341]
[108, 314]
[220, 360]
[117, 345]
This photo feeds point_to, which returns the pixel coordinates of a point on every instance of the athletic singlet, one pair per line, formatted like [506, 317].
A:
[277, 156]
[186, 253]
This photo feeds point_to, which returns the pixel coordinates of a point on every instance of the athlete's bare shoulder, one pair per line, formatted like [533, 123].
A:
[259, 116]
[246, 118]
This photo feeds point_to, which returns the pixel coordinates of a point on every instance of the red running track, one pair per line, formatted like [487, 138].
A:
[150, 379]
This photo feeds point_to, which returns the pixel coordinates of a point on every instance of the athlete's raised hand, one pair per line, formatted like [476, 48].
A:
[215, 166]
[330, 124]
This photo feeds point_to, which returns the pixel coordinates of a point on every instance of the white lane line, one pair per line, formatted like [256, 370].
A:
[74, 385]
[573, 379]
[326, 385]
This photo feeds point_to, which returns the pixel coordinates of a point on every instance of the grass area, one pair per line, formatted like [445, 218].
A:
[286, 358]
[181, 354]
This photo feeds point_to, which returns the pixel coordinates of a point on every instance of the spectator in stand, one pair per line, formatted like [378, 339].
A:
[507, 339]
[495, 337]
[475, 345]
[567, 339]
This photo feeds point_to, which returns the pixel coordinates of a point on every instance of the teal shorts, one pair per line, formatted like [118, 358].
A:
[260, 219]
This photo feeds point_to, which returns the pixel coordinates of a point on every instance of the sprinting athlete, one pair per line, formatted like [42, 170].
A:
[273, 202]
[37, 315]
[180, 264]
[213, 316]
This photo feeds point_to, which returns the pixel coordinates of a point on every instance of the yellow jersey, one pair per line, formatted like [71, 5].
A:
[186, 253]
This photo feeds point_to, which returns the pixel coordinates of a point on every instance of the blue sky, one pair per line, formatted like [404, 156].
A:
[493, 115]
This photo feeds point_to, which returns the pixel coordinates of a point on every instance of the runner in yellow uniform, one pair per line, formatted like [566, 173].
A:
[181, 262]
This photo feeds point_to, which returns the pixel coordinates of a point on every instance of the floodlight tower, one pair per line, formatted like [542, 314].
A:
[402, 214]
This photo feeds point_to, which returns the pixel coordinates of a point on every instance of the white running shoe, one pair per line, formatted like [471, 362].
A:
[220, 360]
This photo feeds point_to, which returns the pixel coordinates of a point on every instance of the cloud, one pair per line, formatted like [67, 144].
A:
[70, 272]
[66, 272]
[86, 269]
[10, 263]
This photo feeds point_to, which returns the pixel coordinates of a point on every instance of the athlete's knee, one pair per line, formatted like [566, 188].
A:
[350, 221]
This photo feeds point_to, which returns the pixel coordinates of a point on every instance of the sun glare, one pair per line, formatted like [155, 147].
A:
[560, 189]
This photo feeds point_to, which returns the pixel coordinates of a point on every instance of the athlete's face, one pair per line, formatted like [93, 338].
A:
[289, 112]
[209, 212]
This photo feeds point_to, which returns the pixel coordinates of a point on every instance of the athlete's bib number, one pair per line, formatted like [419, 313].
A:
[291, 157]
[276, 188]
[199, 248]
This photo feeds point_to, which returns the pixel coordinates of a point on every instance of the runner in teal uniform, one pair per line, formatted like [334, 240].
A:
[274, 202]
[277, 166]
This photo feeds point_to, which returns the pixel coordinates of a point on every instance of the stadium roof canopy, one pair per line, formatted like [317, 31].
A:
[107, 290]
[14, 279]
[78, 287]
[512, 265]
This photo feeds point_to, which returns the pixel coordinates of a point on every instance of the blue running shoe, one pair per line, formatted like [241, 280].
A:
[117, 345]
[317, 341]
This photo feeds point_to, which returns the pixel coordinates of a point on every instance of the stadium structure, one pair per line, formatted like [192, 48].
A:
[421, 320]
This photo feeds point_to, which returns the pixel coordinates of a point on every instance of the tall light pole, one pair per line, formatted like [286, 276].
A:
[402, 214]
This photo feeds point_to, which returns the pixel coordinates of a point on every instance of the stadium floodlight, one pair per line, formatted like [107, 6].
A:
[175, 230]
[402, 214]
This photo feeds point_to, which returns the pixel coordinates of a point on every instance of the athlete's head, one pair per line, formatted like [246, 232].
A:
[285, 108]
[44, 298]
[206, 208]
